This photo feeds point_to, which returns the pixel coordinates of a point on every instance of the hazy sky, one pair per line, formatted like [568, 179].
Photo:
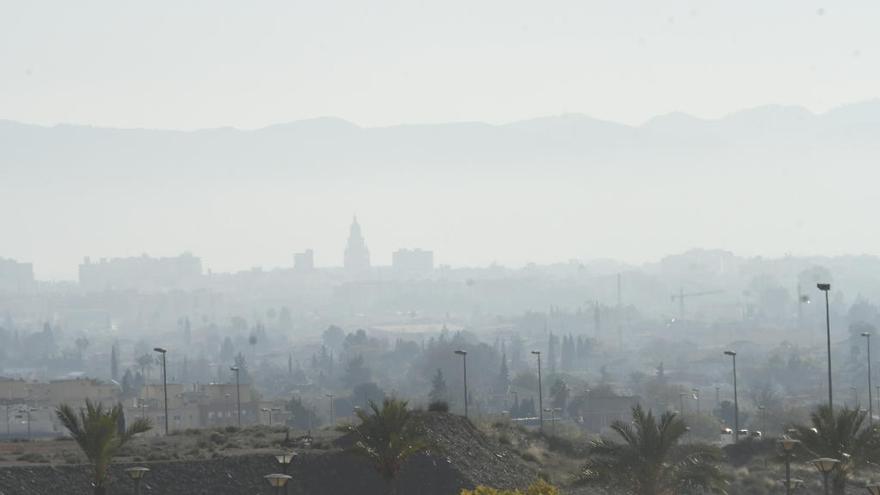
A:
[189, 64]
[194, 64]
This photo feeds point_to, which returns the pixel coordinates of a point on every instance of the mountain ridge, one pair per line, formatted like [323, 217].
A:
[870, 107]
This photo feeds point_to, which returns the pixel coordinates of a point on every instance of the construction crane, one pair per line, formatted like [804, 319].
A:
[681, 296]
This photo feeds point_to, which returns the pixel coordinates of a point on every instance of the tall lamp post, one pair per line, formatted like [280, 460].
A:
[463, 355]
[696, 392]
[763, 410]
[826, 288]
[163, 352]
[825, 465]
[867, 336]
[788, 445]
[732, 354]
[540, 392]
[237, 370]
[137, 474]
[332, 411]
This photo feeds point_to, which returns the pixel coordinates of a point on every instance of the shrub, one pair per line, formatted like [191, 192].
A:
[33, 457]
[539, 487]
[566, 446]
[438, 406]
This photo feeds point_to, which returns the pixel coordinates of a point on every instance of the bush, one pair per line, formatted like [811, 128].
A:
[539, 487]
[438, 406]
[566, 446]
[33, 457]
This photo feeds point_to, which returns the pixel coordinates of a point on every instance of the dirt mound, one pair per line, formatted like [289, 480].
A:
[480, 460]
[462, 458]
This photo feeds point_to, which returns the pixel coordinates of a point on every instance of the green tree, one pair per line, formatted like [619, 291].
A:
[439, 391]
[97, 432]
[114, 363]
[387, 437]
[651, 460]
[841, 436]
[356, 372]
[559, 393]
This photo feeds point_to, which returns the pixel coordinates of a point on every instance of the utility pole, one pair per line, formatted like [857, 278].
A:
[867, 337]
[463, 355]
[540, 392]
[236, 369]
[162, 351]
[735, 398]
[826, 288]
[619, 314]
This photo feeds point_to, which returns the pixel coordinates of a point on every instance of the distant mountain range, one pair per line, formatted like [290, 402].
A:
[324, 147]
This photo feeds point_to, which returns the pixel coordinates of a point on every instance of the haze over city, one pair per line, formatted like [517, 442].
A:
[572, 247]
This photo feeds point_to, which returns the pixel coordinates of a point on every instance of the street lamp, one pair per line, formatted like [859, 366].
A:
[237, 370]
[540, 393]
[463, 355]
[788, 445]
[696, 392]
[867, 336]
[763, 410]
[278, 481]
[826, 288]
[732, 354]
[137, 474]
[284, 461]
[163, 352]
[825, 465]
[332, 412]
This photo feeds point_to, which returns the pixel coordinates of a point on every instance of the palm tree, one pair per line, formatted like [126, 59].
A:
[651, 461]
[841, 436]
[387, 438]
[99, 432]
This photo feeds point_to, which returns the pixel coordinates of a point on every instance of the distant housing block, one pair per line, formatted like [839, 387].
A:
[304, 261]
[141, 273]
[15, 276]
[412, 261]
